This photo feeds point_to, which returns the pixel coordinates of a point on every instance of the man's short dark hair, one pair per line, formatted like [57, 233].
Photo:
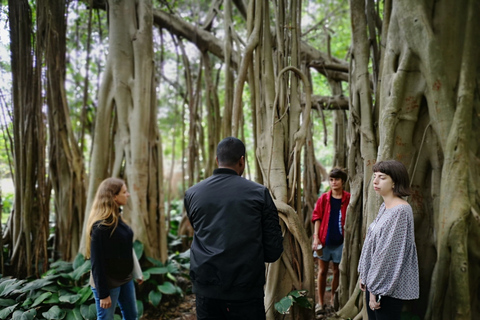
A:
[399, 174]
[338, 174]
[229, 151]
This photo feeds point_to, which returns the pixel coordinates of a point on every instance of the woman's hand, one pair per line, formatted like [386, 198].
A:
[106, 303]
[373, 303]
[140, 280]
[362, 286]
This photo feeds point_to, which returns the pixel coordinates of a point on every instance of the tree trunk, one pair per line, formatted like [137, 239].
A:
[28, 230]
[427, 115]
[128, 90]
[65, 158]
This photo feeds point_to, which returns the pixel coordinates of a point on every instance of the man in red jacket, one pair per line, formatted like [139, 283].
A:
[329, 221]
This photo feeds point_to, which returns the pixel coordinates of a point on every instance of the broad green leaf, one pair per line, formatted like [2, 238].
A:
[179, 290]
[4, 313]
[75, 289]
[50, 272]
[157, 270]
[54, 313]
[24, 315]
[138, 248]
[74, 314]
[81, 270]
[6, 302]
[70, 298]
[146, 275]
[29, 315]
[167, 288]
[5, 284]
[11, 286]
[117, 317]
[303, 302]
[284, 305]
[89, 312]
[36, 284]
[79, 261]
[85, 293]
[51, 288]
[17, 315]
[41, 298]
[68, 276]
[172, 268]
[298, 293]
[155, 262]
[154, 297]
[62, 266]
[140, 308]
[53, 299]
[27, 302]
[171, 277]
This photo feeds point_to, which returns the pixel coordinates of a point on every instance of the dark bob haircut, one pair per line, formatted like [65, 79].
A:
[229, 151]
[399, 174]
[338, 174]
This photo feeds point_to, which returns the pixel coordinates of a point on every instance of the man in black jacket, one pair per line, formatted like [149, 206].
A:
[236, 231]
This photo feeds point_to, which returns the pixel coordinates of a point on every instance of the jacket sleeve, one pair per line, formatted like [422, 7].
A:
[271, 232]
[97, 256]
[317, 213]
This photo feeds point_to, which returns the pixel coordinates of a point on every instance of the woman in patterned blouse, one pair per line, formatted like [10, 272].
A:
[388, 264]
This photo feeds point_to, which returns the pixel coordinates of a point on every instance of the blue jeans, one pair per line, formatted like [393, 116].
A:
[125, 296]
[217, 309]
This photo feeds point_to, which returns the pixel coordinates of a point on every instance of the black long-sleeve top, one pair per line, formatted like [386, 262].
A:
[111, 256]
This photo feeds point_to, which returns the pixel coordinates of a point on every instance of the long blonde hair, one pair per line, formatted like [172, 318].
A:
[104, 208]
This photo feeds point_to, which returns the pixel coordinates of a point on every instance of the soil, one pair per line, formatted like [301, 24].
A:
[184, 308]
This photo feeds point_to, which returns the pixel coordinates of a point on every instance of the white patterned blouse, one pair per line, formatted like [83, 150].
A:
[388, 264]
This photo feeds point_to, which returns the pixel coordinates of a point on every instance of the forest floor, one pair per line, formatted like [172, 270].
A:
[184, 309]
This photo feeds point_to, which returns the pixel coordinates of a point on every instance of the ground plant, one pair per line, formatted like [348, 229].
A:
[63, 292]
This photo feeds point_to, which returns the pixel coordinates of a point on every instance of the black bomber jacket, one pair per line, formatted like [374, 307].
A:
[237, 230]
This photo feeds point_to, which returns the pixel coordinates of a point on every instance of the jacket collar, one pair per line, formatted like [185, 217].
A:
[225, 171]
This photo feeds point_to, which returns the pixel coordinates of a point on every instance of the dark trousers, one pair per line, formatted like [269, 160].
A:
[390, 308]
[216, 309]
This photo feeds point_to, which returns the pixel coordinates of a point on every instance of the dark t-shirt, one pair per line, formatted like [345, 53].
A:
[334, 233]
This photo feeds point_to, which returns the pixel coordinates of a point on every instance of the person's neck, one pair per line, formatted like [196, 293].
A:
[337, 194]
[391, 200]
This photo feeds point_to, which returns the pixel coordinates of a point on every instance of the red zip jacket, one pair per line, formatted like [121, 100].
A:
[322, 213]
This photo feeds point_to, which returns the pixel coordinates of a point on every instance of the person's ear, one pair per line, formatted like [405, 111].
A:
[216, 161]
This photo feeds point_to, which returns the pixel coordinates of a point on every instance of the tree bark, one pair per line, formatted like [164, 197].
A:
[425, 115]
[66, 161]
[128, 89]
[29, 228]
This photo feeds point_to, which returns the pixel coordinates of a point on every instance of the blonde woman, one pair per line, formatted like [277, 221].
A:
[110, 248]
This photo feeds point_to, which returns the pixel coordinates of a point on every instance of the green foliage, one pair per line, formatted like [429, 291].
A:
[58, 294]
[161, 279]
[297, 296]
[63, 291]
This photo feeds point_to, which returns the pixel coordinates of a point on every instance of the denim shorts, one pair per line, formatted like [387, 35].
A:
[331, 253]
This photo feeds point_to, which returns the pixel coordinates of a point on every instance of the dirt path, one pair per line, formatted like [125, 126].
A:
[185, 308]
